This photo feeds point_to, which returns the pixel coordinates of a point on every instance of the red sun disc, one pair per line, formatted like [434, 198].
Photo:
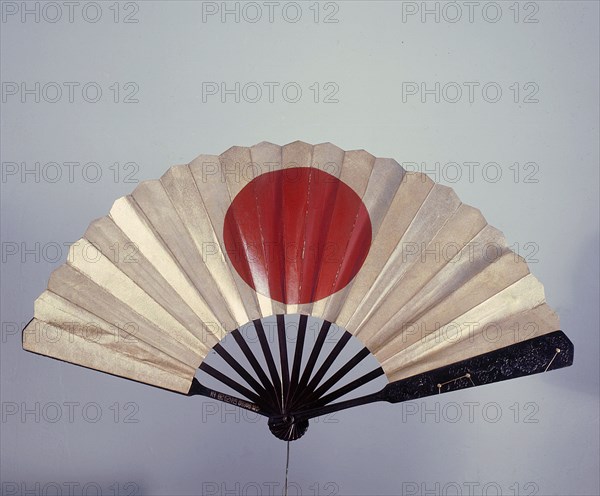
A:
[297, 235]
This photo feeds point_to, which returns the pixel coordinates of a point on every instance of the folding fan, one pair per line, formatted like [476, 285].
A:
[395, 262]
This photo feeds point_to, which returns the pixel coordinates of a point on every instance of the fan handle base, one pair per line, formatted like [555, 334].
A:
[288, 428]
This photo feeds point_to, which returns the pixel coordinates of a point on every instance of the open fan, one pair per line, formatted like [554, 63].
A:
[296, 233]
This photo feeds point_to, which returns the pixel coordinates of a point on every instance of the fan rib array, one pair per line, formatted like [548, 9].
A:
[297, 389]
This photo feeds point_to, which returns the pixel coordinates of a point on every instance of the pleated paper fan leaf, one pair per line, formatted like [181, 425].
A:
[395, 261]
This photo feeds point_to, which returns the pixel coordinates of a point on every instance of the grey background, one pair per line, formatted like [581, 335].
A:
[176, 447]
